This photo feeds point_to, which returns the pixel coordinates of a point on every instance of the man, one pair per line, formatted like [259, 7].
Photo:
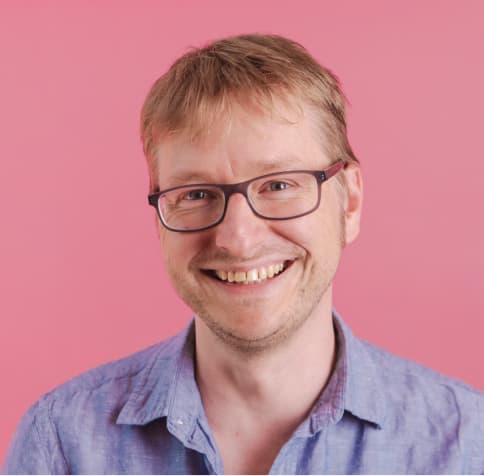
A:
[257, 191]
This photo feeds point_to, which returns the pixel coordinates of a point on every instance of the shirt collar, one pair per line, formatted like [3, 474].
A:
[362, 387]
[166, 386]
[167, 375]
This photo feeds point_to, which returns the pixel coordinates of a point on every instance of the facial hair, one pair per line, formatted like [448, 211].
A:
[291, 319]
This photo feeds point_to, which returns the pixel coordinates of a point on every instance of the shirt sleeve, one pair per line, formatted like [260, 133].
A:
[478, 438]
[31, 450]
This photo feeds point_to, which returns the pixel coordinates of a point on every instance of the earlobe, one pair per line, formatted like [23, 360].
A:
[353, 202]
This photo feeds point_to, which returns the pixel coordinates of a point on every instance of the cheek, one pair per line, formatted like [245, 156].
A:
[172, 246]
[179, 249]
[320, 235]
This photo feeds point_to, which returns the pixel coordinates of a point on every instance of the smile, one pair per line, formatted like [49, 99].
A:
[253, 276]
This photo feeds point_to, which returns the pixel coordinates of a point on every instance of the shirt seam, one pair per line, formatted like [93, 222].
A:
[53, 396]
[50, 420]
[39, 442]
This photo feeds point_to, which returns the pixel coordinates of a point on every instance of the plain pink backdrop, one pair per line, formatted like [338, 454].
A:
[81, 278]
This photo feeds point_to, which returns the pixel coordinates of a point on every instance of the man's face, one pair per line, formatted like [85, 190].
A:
[258, 315]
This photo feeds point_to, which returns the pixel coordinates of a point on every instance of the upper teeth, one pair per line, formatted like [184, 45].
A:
[251, 276]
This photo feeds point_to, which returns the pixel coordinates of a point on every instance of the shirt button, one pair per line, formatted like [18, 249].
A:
[179, 422]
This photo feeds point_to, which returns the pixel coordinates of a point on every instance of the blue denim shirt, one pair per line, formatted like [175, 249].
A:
[143, 414]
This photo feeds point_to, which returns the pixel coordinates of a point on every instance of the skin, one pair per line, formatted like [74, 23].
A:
[264, 351]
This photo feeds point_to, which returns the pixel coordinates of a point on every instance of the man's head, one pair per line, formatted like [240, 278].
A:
[238, 109]
[249, 71]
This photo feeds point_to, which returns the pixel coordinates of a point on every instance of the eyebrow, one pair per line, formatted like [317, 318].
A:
[282, 164]
[262, 167]
[188, 176]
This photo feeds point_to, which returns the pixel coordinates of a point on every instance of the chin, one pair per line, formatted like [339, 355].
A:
[252, 333]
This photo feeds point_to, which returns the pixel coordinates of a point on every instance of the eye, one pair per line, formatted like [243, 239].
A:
[197, 194]
[279, 185]
[191, 198]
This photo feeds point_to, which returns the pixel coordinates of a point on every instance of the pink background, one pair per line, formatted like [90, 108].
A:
[81, 278]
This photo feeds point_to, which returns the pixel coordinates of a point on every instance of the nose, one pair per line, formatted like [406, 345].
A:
[241, 230]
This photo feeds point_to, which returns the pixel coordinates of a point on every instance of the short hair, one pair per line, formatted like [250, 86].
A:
[246, 70]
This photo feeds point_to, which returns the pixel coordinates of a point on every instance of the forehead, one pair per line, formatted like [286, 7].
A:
[244, 143]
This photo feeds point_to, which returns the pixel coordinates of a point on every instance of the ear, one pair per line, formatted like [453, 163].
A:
[160, 231]
[157, 225]
[353, 201]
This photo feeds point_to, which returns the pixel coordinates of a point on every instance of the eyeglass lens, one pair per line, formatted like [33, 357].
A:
[283, 195]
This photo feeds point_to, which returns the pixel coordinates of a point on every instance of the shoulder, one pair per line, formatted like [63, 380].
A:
[402, 378]
[427, 406]
[83, 412]
[401, 384]
[119, 377]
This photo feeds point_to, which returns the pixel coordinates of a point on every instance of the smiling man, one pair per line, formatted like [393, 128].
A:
[256, 192]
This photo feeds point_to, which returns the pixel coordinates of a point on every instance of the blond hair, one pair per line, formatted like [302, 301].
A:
[247, 70]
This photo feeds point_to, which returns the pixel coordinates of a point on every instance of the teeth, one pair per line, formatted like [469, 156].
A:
[239, 276]
[252, 276]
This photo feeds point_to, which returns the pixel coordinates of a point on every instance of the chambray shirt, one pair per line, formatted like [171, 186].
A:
[143, 414]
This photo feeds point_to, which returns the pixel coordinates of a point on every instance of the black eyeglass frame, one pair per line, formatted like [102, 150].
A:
[229, 189]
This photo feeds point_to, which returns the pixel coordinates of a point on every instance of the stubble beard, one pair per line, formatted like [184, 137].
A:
[291, 320]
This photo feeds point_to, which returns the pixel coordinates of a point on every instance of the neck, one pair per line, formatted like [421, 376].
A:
[278, 386]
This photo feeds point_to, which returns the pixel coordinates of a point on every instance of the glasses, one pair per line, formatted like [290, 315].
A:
[275, 196]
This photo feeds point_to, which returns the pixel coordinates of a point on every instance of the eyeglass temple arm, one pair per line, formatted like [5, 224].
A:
[333, 170]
